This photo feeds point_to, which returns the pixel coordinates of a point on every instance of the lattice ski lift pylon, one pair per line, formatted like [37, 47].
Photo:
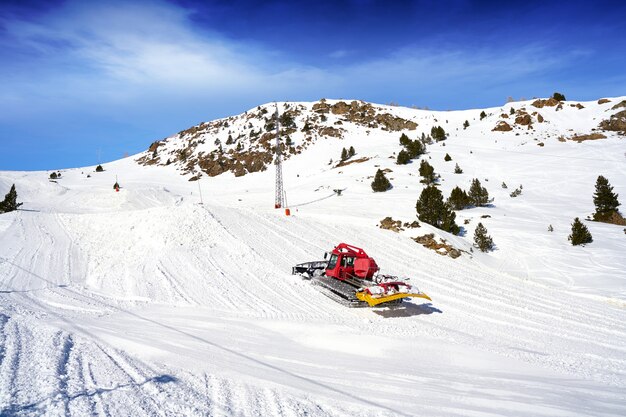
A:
[279, 200]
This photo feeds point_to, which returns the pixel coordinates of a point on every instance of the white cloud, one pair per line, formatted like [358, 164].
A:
[121, 53]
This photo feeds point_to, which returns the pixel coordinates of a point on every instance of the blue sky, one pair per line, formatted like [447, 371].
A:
[83, 82]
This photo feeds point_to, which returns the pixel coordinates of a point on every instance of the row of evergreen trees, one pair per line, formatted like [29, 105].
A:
[478, 196]
[432, 209]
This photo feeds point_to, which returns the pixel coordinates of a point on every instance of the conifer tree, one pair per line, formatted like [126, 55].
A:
[427, 172]
[465, 125]
[431, 209]
[380, 183]
[457, 169]
[99, 168]
[512, 111]
[10, 201]
[404, 139]
[580, 234]
[344, 154]
[351, 152]
[482, 240]
[415, 148]
[483, 115]
[478, 194]
[437, 133]
[458, 199]
[403, 158]
[604, 199]
[447, 158]
[447, 220]
[558, 96]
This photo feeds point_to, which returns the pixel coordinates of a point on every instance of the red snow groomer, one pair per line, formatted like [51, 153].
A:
[351, 277]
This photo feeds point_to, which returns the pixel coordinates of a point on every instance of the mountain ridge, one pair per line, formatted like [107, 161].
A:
[244, 143]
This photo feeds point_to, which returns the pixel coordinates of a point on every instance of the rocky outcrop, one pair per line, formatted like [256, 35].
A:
[442, 248]
[523, 119]
[365, 114]
[604, 100]
[502, 126]
[239, 163]
[389, 223]
[540, 103]
[331, 131]
[591, 136]
[619, 105]
[617, 123]
[394, 123]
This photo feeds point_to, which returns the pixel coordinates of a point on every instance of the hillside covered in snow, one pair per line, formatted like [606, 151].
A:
[146, 302]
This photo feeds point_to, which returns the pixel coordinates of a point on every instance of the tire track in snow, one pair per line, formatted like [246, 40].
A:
[10, 367]
[174, 284]
[135, 380]
[62, 371]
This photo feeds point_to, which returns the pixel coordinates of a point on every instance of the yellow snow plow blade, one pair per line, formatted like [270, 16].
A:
[374, 301]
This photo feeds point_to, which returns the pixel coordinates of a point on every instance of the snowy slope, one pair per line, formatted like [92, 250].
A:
[144, 302]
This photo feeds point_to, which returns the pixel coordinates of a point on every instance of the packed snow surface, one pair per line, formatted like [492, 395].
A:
[146, 302]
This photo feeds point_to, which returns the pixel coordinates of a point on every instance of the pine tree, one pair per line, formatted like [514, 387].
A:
[380, 183]
[53, 176]
[550, 228]
[415, 148]
[482, 240]
[427, 172]
[458, 199]
[604, 199]
[580, 234]
[478, 194]
[465, 125]
[344, 154]
[10, 201]
[438, 133]
[404, 139]
[99, 168]
[447, 220]
[483, 115]
[431, 209]
[447, 158]
[429, 205]
[403, 158]
[558, 97]
[351, 152]
[457, 169]
[512, 111]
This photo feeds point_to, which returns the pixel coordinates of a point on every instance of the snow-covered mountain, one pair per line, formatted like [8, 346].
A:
[145, 302]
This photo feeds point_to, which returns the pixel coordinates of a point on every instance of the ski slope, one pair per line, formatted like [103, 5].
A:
[146, 302]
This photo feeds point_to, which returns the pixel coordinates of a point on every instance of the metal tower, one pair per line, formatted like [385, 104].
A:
[279, 200]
